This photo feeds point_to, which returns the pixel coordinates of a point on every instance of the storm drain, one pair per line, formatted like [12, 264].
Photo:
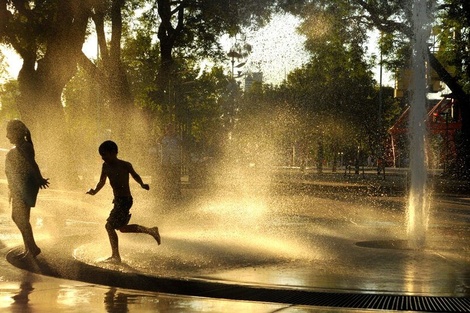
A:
[316, 298]
[380, 302]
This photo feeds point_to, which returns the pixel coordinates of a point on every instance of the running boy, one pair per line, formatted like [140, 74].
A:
[117, 171]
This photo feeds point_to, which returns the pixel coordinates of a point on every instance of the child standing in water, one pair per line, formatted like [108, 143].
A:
[118, 171]
[24, 180]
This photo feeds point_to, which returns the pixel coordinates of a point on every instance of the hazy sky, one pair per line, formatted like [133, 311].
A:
[278, 49]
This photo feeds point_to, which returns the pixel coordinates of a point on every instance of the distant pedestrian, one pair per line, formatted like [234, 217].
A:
[24, 181]
[380, 166]
[118, 171]
[171, 162]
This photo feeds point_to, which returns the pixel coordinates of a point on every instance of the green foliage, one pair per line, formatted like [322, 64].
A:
[393, 19]
[8, 95]
[453, 34]
[331, 103]
[201, 23]
[203, 99]
[141, 57]
[85, 110]
[2, 67]
[332, 96]
[193, 99]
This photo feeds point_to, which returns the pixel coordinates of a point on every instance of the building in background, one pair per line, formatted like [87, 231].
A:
[251, 78]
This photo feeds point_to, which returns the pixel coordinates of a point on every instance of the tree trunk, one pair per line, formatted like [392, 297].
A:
[41, 84]
[127, 126]
[167, 34]
[463, 100]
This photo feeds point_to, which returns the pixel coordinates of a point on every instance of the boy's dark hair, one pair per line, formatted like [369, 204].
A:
[108, 146]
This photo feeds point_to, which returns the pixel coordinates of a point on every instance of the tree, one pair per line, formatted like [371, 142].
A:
[394, 20]
[8, 94]
[336, 89]
[330, 104]
[110, 71]
[196, 26]
[48, 36]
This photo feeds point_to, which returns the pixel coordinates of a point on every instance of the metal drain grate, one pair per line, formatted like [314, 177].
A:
[387, 302]
[347, 300]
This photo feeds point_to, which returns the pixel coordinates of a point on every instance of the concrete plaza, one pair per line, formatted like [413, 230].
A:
[297, 243]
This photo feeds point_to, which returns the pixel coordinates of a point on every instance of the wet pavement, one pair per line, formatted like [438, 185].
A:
[303, 245]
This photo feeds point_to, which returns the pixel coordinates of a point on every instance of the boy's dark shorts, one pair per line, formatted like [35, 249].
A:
[119, 215]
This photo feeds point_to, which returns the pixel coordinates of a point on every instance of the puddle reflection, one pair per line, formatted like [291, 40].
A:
[49, 296]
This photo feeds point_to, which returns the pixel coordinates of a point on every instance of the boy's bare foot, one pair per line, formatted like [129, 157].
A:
[35, 252]
[113, 259]
[155, 234]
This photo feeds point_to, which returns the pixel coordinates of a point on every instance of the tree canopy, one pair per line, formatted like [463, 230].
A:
[148, 68]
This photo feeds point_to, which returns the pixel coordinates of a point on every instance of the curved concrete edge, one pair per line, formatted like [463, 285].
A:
[68, 267]
[72, 269]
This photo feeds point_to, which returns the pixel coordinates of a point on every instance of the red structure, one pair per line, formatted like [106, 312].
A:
[443, 120]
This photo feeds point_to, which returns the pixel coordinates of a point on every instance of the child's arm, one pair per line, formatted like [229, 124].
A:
[27, 151]
[43, 182]
[137, 178]
[99, 185]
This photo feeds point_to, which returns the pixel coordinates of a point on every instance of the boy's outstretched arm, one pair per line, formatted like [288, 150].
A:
[99, 185]
[137, 178]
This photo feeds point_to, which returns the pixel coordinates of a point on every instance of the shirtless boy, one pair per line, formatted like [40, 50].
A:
[118, 171]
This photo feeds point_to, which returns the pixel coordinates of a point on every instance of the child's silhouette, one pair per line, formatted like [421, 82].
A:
[24, 180]
[118, 171]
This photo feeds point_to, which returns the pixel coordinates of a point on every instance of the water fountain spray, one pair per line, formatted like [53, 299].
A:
[418, 204]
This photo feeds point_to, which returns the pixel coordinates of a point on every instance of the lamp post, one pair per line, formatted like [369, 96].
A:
[446, 140]
[233, 54]
[380, 152]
